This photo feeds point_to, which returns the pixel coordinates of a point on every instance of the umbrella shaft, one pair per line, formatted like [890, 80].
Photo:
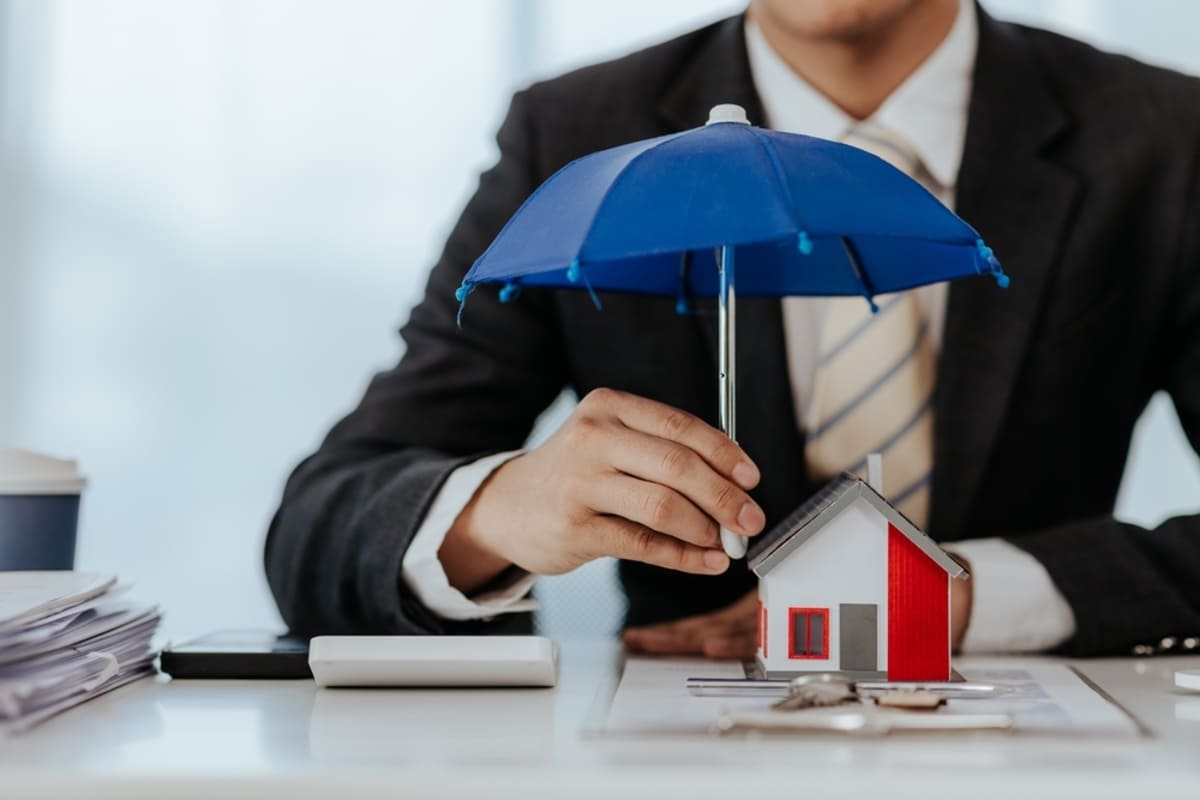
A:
[726, 356]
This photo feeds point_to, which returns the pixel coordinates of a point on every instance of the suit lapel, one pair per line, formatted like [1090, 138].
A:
[1020, 202]
[719, 72]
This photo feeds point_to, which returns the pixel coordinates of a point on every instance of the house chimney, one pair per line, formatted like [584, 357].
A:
[875, 472]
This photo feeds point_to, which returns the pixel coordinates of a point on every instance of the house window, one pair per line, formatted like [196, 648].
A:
[808, 633]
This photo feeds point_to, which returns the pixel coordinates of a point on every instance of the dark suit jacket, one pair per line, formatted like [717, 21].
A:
[1080, 170]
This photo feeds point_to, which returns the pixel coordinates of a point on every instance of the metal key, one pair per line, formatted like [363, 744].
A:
[817, 690]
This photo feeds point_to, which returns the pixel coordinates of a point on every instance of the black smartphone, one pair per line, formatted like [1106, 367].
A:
[238, 654]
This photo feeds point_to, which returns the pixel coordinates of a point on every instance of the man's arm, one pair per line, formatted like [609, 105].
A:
[335, 547]
[426, 576]
[624, 476]
[1012, 605]
[1128, 585]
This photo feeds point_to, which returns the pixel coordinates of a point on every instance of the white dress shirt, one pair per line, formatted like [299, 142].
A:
[1015, 605]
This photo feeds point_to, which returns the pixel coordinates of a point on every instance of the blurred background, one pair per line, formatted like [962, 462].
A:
[214, 216]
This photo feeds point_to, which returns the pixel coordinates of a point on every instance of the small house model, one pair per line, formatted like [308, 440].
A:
[848, 584]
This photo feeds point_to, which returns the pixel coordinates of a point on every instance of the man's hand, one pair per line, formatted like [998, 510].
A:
[625, 477]
[732, 632]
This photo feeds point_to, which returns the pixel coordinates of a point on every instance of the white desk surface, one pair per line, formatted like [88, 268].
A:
[173, 739]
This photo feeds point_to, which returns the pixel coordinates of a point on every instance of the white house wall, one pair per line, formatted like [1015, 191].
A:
[844, 562]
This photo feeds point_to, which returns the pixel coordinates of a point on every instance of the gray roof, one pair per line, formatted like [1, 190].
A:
[772, 548]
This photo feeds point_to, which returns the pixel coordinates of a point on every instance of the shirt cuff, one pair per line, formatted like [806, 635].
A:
[422, 571]
[1015, 606]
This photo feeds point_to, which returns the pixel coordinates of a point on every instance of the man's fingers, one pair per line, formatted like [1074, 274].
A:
[665, 641]
[740, 646]
[620, 538]
[690, 641]
[665, 422]
[738, 625]
[680, 468]
[654, 506]
[715, 624]
[729, 632]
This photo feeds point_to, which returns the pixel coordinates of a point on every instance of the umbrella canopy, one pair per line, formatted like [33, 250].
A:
[805, 216]
[673, 215]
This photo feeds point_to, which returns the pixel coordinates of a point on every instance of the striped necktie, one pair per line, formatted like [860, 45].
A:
[875, 374]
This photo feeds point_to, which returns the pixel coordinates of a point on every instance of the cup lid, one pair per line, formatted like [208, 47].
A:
[26, 472]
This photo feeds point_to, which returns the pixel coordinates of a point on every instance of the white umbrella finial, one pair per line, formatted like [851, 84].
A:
[727, 112]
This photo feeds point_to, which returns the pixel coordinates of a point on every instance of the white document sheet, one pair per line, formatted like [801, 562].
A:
[1042, 697]
[1046, 697]
[68, 629]
[29, 596]
[652, 696]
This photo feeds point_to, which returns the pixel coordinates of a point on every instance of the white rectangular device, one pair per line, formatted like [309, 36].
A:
[431, 661]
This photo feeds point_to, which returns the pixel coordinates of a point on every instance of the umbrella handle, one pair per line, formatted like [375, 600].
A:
[733, 544]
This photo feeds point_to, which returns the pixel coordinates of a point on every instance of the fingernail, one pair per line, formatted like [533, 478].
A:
[745, 475]
[715, 559]
[751, 518]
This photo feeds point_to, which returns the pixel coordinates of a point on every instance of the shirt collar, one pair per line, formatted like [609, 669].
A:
[929, 110]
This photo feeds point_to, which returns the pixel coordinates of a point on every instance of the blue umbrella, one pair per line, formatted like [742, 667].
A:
[698, 213]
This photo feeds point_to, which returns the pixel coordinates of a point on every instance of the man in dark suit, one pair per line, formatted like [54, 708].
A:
[419, 513]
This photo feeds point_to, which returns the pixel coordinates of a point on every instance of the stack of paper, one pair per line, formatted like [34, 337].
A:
[66, 637]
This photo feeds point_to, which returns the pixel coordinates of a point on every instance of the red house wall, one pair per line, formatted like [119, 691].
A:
[918, 613]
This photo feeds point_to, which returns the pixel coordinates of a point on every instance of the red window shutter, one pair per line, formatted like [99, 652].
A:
[758, 627]
[918, 613]
[762, 626]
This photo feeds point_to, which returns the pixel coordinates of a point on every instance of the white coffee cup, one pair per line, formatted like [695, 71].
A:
[39, 510]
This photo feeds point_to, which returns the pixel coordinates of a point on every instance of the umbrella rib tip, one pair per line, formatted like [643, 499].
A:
[804, 244]
[989, 258]
[509, 292]
[575, 274]
[461, 294]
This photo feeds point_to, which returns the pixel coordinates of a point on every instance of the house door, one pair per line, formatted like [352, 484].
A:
[858, 625]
